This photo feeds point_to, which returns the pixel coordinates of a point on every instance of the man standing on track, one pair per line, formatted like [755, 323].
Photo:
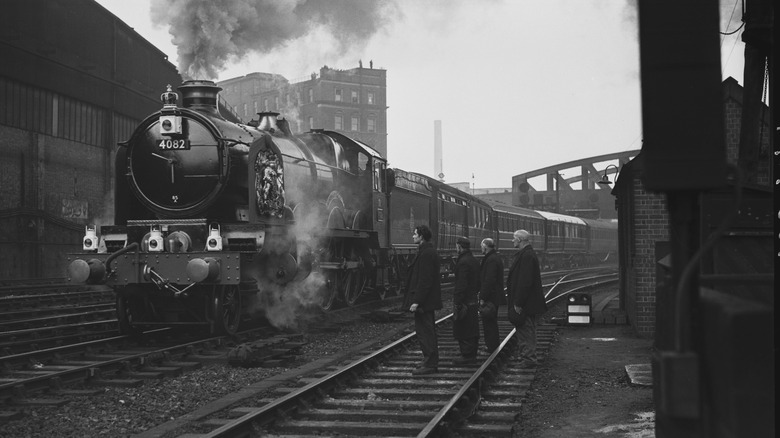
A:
[490, 292]
[525, 299]
[465, 327]
[425, 289]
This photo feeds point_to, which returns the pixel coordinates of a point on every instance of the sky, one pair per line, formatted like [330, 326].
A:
[518, 85]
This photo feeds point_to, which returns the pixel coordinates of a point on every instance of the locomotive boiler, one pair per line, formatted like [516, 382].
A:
[212, 214]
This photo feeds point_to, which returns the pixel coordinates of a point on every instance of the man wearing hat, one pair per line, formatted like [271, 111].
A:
[465, 327]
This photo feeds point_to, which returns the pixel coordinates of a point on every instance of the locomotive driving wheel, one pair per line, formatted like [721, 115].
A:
[354, 282]
[226, 308]
[329, 291]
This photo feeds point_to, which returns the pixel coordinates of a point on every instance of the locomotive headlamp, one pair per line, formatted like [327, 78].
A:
[90, 239]
[214, 241]
[170, 124]
[155, 242]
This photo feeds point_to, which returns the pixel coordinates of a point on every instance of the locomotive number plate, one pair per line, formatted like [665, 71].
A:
[168, 144]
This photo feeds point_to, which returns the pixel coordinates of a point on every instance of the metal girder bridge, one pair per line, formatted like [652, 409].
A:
[592, 170]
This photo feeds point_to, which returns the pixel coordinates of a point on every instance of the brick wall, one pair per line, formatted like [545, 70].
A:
[651, 224]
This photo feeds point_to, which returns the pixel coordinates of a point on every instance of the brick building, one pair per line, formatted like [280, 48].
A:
[353, 101]
[643, 221]
[74, 81]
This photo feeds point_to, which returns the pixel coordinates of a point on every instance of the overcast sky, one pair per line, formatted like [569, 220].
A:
[518, 85]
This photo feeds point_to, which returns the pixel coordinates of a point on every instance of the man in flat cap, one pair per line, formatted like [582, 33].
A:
[465, 327]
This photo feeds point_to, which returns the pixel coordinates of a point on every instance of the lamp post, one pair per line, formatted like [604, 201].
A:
[605, 178]
[557, 192]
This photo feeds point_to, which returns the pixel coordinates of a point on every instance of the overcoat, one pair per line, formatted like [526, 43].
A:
[424, 278]
[524, 284]
[492, 278]
[465, 294]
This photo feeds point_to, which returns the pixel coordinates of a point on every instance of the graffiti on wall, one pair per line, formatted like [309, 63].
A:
[75, 209]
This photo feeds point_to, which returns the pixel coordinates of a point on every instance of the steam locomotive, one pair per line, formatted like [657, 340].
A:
[215, 220]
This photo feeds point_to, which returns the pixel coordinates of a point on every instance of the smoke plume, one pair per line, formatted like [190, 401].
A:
[210, 33]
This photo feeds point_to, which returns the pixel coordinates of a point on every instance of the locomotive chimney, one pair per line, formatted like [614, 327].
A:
[200, 95]
[272, 122]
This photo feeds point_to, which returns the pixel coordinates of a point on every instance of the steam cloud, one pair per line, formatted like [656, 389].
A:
[210, 33]
[297, 302]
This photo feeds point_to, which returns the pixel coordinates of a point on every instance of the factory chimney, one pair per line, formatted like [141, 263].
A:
[438, 160]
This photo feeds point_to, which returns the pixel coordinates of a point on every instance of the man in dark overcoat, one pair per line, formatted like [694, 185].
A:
[491, 291]
[465, 327]
[425, 289]
[525, 299]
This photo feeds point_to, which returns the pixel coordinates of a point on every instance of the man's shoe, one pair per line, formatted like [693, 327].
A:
[464, 361]
[423, 370]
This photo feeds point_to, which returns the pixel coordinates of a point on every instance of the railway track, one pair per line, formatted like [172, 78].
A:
[34, 376]
[47, 373]
[374, 394]
[49, 314]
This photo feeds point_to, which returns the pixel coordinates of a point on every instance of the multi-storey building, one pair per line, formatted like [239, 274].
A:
[353, 102]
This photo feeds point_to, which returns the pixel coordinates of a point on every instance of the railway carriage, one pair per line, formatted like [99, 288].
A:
[564, 240]
[510, 218]
[602, 241]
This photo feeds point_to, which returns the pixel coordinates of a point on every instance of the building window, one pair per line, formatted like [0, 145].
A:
[355, 98]
[370, 98]
[311, 122]
[256, 111]
[265, 104]
[355, 123]
[338, 94]
[276, 102]
[338, 122]
[311, 95]
[245, 111]
[371, 124]
[297, 97]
